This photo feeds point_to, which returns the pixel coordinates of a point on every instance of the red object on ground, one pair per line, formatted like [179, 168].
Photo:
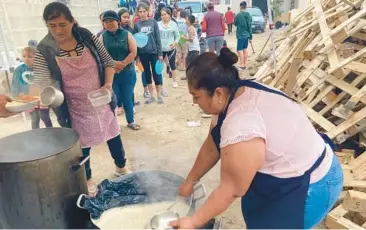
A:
[271, 26]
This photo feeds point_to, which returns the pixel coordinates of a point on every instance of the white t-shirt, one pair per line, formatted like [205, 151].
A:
[292, 143]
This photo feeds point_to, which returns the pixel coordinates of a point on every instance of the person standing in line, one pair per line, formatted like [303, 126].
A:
[75, 61]
[243, 23]
[229, 17]
[121, 46]
[182, 47]
[20, 86]
[214, 27]
[124, 17]
[193, 43]
[150, 54]
[169, 35]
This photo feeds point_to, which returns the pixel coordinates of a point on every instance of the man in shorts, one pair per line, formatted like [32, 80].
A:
[243, 23]
[182, 47]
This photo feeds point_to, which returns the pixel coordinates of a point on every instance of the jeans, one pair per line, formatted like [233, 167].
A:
[123, 86]
[115, 148]
[41, 114]
[148, 61]
[215, 44]
[323, 194]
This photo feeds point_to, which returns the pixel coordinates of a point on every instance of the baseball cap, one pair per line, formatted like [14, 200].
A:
[110, 14]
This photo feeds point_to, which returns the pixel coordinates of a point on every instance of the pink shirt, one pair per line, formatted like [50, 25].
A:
[292, 143]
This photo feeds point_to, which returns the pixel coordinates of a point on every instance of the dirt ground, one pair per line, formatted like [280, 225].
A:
[164, 141]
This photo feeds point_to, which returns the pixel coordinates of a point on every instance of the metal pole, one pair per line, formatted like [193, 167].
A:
[270, 18]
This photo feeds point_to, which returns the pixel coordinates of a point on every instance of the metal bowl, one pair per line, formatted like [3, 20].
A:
[161, 220]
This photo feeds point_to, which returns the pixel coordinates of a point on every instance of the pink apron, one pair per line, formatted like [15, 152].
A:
[80, 76]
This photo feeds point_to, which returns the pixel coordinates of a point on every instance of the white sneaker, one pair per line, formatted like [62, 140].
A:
[175, 84]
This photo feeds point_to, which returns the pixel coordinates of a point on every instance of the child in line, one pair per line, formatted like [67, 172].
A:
[20, 87]
[193, 43]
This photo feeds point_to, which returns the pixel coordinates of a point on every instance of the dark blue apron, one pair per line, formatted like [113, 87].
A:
[272, 202]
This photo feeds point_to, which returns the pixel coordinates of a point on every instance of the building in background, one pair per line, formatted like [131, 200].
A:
[21, 21]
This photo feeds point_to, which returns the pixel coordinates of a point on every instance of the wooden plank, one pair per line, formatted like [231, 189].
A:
[358, 15]
[309, 51]
[356, 66]
[357, 55]
[305, 74]
[335, 219]
[314, 116]
[355, 201]
[325, 31]
[358, 162]
[359, 35]
[341, 95]
[352, 120]
[348, 88]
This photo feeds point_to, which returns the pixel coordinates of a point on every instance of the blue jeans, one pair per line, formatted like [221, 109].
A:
[215, 44]
[123, 86]
[323, 194]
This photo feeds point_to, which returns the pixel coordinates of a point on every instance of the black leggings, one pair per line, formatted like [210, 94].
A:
[115, 148]
[148, 61]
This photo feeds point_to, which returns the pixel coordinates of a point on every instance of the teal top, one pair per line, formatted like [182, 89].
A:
[20, 81]
[117, 45]
[169, 34]
[243, 23]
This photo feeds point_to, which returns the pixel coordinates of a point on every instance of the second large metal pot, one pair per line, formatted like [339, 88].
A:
[40, 180]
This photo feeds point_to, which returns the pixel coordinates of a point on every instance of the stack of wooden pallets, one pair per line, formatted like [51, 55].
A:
[322, 64]
[350, 211]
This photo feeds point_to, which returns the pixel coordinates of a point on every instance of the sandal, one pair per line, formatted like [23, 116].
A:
[92, 189]
[122, 171]
[134, 126]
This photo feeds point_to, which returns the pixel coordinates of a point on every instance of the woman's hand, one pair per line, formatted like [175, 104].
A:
[183, 223]
[161, 58]
[119, 66]
[3, 112]
[108, 86]
[186, 189]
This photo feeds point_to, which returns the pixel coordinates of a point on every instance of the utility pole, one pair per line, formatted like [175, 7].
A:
[270, 19]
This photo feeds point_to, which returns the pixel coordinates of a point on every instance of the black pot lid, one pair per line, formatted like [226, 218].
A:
[36, 144]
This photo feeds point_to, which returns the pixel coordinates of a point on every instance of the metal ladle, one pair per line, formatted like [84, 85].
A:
[162, 219]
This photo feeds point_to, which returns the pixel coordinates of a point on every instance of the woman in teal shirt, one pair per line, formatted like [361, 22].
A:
[121, 46]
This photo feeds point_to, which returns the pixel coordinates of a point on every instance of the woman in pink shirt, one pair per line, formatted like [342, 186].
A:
[272, 157]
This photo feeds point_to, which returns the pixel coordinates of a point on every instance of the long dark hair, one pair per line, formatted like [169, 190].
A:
[55, 10]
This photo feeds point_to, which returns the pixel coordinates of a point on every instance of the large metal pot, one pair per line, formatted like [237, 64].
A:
[160, 186]
[41, 177]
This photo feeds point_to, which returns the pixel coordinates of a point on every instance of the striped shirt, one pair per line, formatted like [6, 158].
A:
[41, 73]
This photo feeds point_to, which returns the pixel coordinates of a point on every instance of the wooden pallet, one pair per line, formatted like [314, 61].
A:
[340, 218]
[322, 64]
